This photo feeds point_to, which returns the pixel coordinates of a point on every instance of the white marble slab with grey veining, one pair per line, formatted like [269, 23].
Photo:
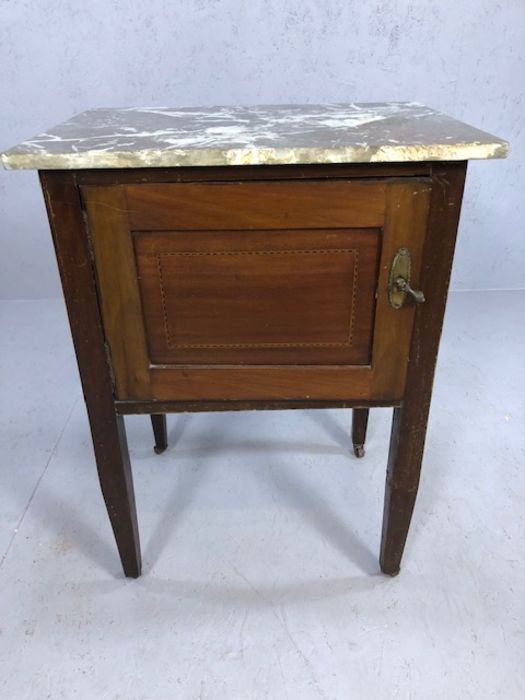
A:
[260, 135]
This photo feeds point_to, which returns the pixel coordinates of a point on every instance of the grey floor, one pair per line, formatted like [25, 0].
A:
[260, 534]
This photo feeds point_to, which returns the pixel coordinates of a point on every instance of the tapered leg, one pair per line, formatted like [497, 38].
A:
[107, 428]
[402, 481]
[160, 432]
[114, 473]
[410, 419]
[359, 424]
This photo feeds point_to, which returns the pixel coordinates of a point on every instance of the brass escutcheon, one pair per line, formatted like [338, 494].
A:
[399, 288]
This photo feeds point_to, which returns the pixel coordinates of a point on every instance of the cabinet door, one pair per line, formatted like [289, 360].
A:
[255, 290]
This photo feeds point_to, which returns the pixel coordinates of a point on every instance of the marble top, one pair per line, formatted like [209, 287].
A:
[260, 135]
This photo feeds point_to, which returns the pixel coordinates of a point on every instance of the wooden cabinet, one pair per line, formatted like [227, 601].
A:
[236, 289]
[256, 258]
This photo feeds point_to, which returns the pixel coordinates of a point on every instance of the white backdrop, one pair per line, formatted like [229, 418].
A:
[466, 58]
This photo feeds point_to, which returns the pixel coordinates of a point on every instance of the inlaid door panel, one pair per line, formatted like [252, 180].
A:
[270, 297]
[255, 290]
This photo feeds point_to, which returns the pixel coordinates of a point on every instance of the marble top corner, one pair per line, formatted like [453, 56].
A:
[260, 135]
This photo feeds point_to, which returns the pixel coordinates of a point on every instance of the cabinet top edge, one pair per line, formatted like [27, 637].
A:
[393, 132]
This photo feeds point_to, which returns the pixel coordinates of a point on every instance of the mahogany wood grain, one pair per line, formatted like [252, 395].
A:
[256, 373]
[238, 383]
[267, 298]
[118, 287]
[256, 205]
[415, 205]
[405, 226]
[107, 428]
[410, 419]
